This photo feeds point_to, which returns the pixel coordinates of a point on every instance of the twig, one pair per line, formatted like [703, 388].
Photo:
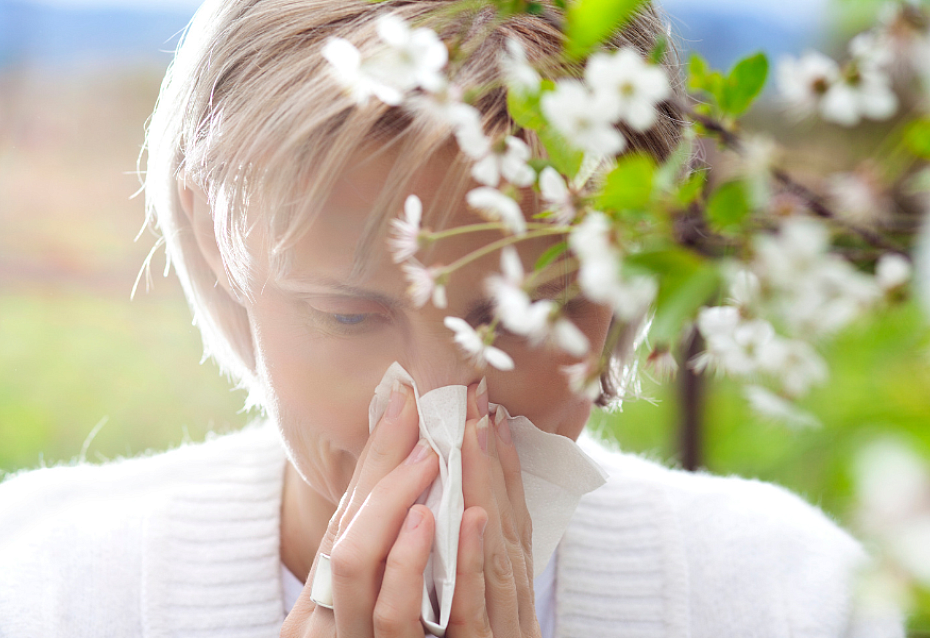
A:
[812, 200]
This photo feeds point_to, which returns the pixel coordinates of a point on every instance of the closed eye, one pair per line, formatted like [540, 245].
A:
[350, 320]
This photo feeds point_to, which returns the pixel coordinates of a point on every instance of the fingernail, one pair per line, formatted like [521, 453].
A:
[482, 431]
[503, 429]
[414, 518]
[418, 453]
[396, 404]
[482, 396]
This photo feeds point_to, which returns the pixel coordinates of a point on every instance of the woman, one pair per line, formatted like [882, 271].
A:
[273, 182]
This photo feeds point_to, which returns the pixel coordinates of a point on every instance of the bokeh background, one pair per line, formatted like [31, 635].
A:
[86, 372]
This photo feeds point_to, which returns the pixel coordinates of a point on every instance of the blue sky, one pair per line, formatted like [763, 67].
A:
[790, 11]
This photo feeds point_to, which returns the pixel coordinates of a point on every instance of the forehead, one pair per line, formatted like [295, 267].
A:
[347, 239]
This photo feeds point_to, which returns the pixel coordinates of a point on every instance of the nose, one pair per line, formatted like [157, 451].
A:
[434, 360]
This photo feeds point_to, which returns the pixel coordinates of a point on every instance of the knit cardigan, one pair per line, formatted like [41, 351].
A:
[186, 544]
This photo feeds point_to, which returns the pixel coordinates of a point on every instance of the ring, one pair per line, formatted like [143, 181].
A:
[321, 591]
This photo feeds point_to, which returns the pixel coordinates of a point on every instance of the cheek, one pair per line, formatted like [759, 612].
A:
[319, 386]
[538, 390]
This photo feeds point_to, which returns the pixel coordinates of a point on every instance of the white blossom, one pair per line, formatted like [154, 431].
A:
[520, 75]
[745, 289]
[405, 237]
[349, 70]
[771, 406]
[663, 363]
[872, 49]
[629, 87]
[556, 196]
[794, 363]
[422, 285]
[867, 95]
[569, 337]
[585, 119]
[469, 133]
[538, 321]
[496, 206]
[511, 163]
[804, 81]
[591, 238]
[413, 58]
[799, 245]
[829, 297]
[892, 484]
[893, 489]
[513, 305]
[734, 345]
[892, 271]
[754, 165]
[474, 346]
[600, 275]
[858, 196]
[582, 380]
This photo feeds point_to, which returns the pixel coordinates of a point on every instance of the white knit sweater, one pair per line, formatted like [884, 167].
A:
[186, 544]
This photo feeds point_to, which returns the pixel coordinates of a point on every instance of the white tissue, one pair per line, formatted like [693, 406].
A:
[556, 473]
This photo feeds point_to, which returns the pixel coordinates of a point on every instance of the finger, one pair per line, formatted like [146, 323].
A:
[478, 490]
[397, 612]
[306, 619]
[394, 428]
[469, 614]
[362, 548]
[520, 516]
[389, 444]
[511, 533]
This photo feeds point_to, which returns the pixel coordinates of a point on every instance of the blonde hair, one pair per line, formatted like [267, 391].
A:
[249, 112]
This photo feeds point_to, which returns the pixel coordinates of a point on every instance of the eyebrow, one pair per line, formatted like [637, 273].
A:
[309, 286]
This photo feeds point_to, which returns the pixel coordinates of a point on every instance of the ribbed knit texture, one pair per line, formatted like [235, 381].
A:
[211, 564]
[185, 544]
[619, 566]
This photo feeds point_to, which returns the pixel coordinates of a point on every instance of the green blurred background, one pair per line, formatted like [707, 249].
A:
[77, 356]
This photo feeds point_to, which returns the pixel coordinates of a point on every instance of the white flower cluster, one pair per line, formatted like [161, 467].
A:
[601, 275]
[810, 293]
[863, 87]
[618, 87]
[893, 497]
[815, 83]
[410, 64]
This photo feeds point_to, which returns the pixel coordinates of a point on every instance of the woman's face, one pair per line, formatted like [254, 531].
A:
[325, 340]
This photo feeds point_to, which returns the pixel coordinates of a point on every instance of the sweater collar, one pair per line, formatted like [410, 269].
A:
[621, 564]
[211, 557]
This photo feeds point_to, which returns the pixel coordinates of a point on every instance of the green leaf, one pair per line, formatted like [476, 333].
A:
[629, 185]
[686, 282]
[728, 207]
[698, 70]
[564, 157]
[917, 138]
[670, 171]
[659, 50]
[525, 110]
[551, 254]
[591, 22]
[691, 189]
[744, 84]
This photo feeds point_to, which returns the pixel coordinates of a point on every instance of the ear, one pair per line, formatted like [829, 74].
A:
[197, 208]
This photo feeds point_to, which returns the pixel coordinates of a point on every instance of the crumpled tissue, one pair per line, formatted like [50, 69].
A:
[556, 474]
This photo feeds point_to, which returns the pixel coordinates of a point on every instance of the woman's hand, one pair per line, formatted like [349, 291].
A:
[494, 580]
[378, 540]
